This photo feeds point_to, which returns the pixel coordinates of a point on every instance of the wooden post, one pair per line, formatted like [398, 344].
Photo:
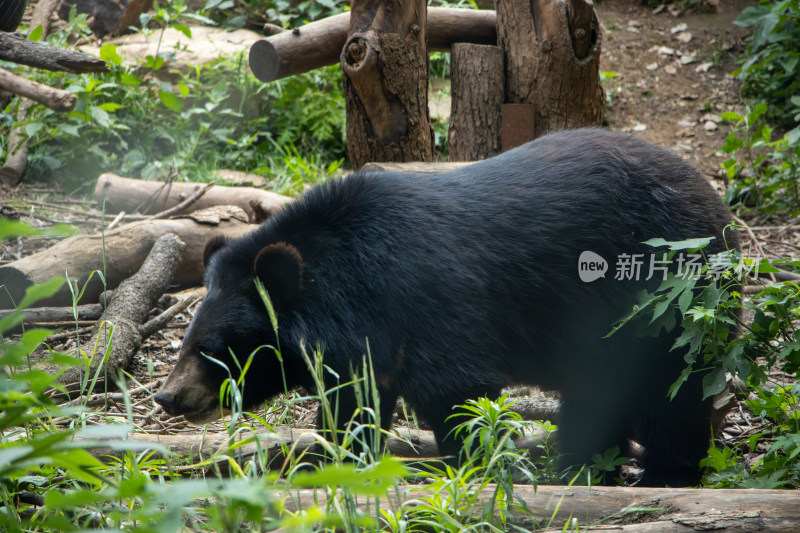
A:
[552, 54]
[385, 62]
[477, 98]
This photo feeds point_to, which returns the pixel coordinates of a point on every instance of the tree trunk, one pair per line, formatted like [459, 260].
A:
[552, 54]
[477, 98]
[385, 62]
[123, 251]
[320, 43]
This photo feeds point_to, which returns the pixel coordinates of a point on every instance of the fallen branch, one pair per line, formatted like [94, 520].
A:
[18, 49]
[159, 322]
[118, 337]
[126, 194]
[124, 250]
[100, 399]
[58, 314]
[55, 99]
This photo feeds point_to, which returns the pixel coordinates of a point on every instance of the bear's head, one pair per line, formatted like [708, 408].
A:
[232, 330]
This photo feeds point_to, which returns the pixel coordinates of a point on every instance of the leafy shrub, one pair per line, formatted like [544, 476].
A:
[721, 343]
[285, 13]
[769, 71]
[763, 172]
[218, 115]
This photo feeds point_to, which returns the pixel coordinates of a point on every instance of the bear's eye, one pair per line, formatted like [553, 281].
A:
[206, 350]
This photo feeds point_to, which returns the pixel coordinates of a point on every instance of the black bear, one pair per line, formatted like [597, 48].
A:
[465, 282]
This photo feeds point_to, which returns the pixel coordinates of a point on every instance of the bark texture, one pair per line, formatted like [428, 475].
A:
[385, 62]
[476, 101]
[552, 54]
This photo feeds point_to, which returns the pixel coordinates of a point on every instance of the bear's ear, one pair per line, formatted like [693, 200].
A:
[214, 244]
[279, 266]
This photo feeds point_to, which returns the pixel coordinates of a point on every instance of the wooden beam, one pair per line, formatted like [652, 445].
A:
[319, 43]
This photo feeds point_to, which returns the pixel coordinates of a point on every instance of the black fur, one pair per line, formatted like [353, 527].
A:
[467, 281]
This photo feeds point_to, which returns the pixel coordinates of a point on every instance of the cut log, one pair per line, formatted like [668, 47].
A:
[385, 65]
[415, 166]
[18, 49]
[320, 43]
[119, 335]
[129, 195]
[124, 250]
[552, 57]
[55, 99]
[477, 98]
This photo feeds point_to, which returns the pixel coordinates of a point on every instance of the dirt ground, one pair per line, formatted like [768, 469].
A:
[672, 76]
[671, 83]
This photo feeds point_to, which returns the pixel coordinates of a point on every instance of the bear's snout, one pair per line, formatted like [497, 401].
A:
[167, 401]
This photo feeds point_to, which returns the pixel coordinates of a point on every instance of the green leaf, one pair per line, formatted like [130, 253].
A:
[183, 29]
[105, 431]
[108, 52]
[757, 111]
[679, 245]
[372, 481]
[110, 107]
[14, 228]
[170, 100]
[130, 79]
[752, 15]
[43, 290]
[100, 116]
[730, 116]
[713, 382]
[154, 63]
[36, 33]
[69, 129]
[32, 128]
